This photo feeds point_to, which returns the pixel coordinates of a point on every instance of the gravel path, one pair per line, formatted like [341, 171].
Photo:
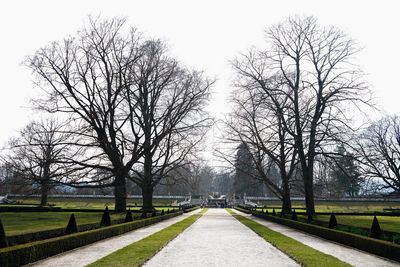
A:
[347, 254]
[88, 254]
[218, 239]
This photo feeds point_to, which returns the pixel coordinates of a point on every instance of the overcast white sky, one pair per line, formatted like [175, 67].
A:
[202, 34]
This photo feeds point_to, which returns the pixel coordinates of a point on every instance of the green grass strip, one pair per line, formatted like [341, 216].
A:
[303, 254]
[141, 251]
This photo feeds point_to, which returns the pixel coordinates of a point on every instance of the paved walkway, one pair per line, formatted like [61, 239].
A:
[218, 239]
[352, 256]
[93, 252]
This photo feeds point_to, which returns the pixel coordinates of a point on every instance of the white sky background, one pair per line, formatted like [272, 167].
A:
[202, 34]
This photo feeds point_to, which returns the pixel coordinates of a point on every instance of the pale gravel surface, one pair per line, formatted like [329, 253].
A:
[88, 254]
[352, 256]
[218, 239]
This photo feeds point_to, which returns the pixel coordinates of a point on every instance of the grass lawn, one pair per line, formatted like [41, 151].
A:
[141, 251]
[16, 223]
[304, 255]
[363, 206]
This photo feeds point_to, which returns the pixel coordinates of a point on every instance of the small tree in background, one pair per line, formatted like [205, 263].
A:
[375, 231]
[3, 238]
[72, 227]
[105, 219]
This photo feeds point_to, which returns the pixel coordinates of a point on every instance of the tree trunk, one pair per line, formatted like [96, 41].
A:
[44, 190]
[147, 194]
[286, 202]
[309, 193]
[120, 193]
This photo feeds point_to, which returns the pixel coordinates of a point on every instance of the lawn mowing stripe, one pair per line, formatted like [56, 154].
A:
[303, 254]
[141, 251]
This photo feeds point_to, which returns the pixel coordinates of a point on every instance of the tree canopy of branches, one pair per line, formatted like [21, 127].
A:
[131, 103]
[37, 155]
[314, 84]
[379, 148]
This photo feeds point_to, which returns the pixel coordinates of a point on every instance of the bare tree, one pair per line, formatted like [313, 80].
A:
[130, 102]
[37, 153]
[261, 120]
[379, 149]
[170, 102]
[314, 66]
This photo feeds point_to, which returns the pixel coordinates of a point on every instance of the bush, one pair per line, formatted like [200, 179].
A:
[332, 221]
[105, 219]
[31, 252]
[3, 238]
[162, 212]
[71, 227]
[375, 231]
[128, 217]
[273, 212]
[294, 215]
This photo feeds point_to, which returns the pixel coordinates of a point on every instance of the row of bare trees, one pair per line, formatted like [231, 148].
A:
[129, 111]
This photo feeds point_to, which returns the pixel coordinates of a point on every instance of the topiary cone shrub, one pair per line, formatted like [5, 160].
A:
[3, 238]
[273, 212]
[105, 219]
[168, 211]
[162, 212]
[332, 221]
[375, 231]
[266, 211]
[71, 227]
[128, 217]
[294, 215]
[144, 214]
[309, 218]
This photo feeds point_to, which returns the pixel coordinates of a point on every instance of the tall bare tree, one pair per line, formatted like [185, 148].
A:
[130, 102]
[170, 102]
[37, 156]
[379, 150]
[321, 84]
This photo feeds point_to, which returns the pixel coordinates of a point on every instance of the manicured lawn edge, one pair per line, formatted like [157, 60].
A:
[141, 251]
[375, 246]
[34, 251]
[303, 254]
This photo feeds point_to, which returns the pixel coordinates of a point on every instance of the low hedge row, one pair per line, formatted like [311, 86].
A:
[31, 252]
[191, 209]
[371, 245]
[41, 235]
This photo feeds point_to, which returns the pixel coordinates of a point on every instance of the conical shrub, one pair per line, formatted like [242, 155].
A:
[294, 215]
[266, 211]
[128, 217]
[332, 221]
[72, 227]
[144, 214]
[273, 212]
[168, 211]
[375, 231]
[105, 219]
[162, 213]
[309, 218]
[3, 238]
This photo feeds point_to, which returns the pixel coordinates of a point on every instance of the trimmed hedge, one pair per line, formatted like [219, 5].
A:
[191, 209]
[41, 235]
[371, 245]
[31, 252]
